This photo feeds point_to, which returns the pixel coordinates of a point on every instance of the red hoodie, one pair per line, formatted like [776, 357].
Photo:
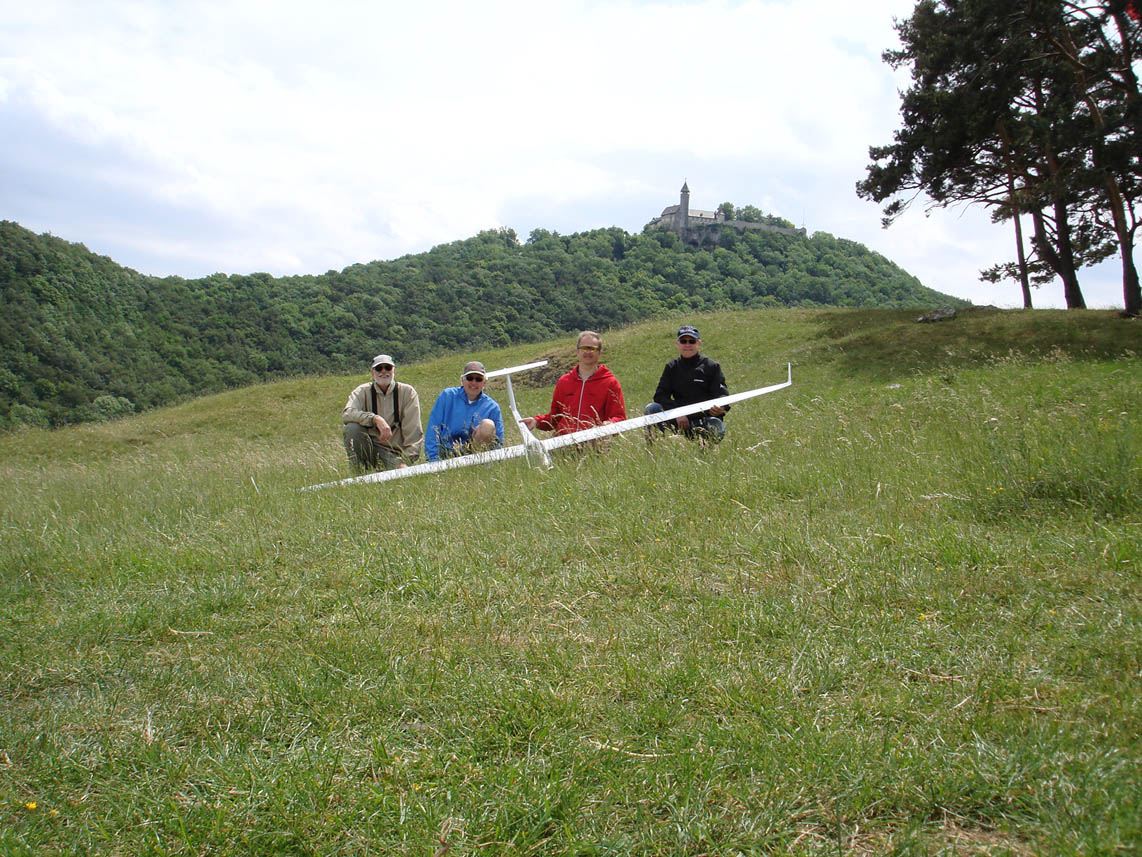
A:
[578, 404]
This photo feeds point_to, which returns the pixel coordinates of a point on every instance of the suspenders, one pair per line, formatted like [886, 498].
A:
[396, 403]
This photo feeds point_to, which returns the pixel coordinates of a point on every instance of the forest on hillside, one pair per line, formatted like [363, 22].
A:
[85, 339]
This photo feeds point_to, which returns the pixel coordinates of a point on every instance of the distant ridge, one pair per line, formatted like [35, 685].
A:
[85, 339]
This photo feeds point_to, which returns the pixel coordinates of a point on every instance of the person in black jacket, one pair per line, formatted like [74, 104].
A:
[687, 379]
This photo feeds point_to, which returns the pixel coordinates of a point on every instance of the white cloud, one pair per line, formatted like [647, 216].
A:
[290, 137]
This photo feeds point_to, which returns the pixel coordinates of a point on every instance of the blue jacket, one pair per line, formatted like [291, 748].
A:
[453, 419]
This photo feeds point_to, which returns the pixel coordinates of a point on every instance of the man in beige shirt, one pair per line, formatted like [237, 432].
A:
[382, 427]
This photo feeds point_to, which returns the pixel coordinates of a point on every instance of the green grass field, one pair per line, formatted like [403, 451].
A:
[898, 611]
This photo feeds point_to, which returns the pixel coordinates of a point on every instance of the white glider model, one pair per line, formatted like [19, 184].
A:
[537, 450]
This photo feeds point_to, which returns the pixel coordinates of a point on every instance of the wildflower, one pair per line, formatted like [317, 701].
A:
[30, 805]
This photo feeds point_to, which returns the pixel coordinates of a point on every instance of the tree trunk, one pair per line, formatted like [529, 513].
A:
[1062, 260]
[1021, 257]
[1131, 294]
[1061, 255]
[1125, 80]
[1024, 280]
[1131, 291]
[1071, 291]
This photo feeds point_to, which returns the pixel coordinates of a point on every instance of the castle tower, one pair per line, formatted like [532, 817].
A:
[684, 210]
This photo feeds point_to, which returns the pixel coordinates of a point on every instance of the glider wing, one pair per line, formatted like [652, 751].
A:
[487, 457]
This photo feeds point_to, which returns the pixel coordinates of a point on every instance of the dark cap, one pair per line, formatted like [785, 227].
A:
[688, 330]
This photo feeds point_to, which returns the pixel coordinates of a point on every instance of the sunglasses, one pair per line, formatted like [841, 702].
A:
[384, 367]
[588, 348]
[473, 377]
[688, 340]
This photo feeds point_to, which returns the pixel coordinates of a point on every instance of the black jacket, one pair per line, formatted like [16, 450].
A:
[688, 380]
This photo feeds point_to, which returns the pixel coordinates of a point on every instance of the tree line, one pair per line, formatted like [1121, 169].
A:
[85, 339]
[1034, 110]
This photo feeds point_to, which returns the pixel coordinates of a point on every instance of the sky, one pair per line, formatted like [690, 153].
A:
[291, 137]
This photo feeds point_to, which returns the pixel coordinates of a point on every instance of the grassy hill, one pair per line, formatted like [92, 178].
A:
[897, 611]
[83, 339]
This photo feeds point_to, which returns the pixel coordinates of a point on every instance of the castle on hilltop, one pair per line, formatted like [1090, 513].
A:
[700, 227]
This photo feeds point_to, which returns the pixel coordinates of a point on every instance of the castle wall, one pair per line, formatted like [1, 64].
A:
[748, 224]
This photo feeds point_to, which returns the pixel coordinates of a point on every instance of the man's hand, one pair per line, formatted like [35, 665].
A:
[529, 422]
[683, 423]
[383, 427]
[717, 411]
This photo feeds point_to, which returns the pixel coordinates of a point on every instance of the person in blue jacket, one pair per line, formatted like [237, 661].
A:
[465, 418]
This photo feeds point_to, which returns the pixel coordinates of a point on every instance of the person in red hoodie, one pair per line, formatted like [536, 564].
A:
[586, 396]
